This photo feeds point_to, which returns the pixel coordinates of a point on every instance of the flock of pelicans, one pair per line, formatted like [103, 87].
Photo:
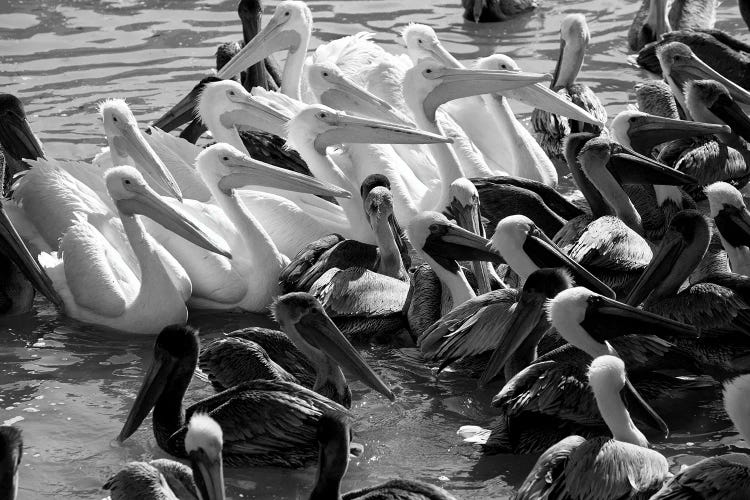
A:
[597, 312]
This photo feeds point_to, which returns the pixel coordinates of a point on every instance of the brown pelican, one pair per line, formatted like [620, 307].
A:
[732, 220]
[621, 466]
[334, 433]
[508, 322]
[251, 435]
[165, 479]
[725, 477]
[652, 21]
[492, 11]
[11, 451]
[16, 138]
[550, 129]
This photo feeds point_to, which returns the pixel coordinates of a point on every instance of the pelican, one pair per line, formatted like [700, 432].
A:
[333, 436]
[491, 11]
[97, 286]
[548, 399]
[11, 451]
[732, 222]
[551, 129]
[621, 466]
[16, 137]
[166, 479]
[652, 20]
[726, 477]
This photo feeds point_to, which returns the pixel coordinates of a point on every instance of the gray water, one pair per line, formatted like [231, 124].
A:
[69, 386]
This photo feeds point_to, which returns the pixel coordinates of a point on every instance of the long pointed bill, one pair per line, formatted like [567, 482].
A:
[134, 144]
[356, 130]
[662, 263]
[528, 311]
[458, 82]
[641, 410]
[18, 139]
[249, 172]
[13, 247]
[252, 113]
[272, 38]
[443, 56]
[699, 70]
[153, 385]
[211, 480]
[648, 131]
[348, 96]
[730, 113]
[183, 111]
[540, 96]
[607, 318]
[459, 244]
[320, 331]
[544, 253]
[468, 218]
[630, 167]
[151, 205]
[734, 226]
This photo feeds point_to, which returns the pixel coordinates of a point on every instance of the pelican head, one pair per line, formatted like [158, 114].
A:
[430, 84]
[303, 319]
[125, 140]
[422, 42]
[373, 181]
[288, 29]
[526, 249]
[600, 154]
[186, 109]
[332, 88]
[323, 127]
[710, 101]
[132, 195]
[203, 443]
[225, 166]
[642, 131]
[227, 104]
[16, 136]
[655, 25]
[445, 242]
[680, 65]
[679, 252]
[737, 404]
[334, 435]
[464, 205]
[175, 358]
[574, 40]
[541, 286]
[730, 214]
[11, 451]
[378, 205]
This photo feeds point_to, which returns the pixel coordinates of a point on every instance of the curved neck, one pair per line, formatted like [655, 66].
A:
[447, 163]
[527, 351]
[389, 261]
[657, 18]
[291, 78]
[222, 133]
[615, 196]
[169, 415]
[456, 283]
[617, 418]
[599, 207]
[329, 379]
[568, 65]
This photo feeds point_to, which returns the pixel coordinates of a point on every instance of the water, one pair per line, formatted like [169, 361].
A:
[69, 387]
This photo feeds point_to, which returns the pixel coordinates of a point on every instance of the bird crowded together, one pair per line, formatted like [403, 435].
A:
[355, 196]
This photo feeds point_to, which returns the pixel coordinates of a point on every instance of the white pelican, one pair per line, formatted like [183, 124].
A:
[621, 466]
[95, 283]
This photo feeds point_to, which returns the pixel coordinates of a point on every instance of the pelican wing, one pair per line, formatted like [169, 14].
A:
[352, 54]
[705, 305]
[711, 161]
[605, 468]
[423, 304]
[295, 272]
[400, 489]
[609, 244]
[272, 149]
[357, 291]
[548, 468]
[179, 156]
[471, 328]
[712, 478]
[139, 480]
[179, 477]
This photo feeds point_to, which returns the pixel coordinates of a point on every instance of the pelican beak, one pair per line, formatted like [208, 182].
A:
[648, 131]
[455, 83]
[131, 141]
[607, 319]
[210, 480]
[147, 202]
[254, 114]
[526, 315]
[441, 55]
[542, 97]
[349, 129]
[545, 253]
[699, 70]
[734, 225]
[641, 410]
[249, 172]
[17, 137]
[272, 38]
[728, 111]
[13, 247]
[348, 96]
[320, 331]
[630, 167]
[670, 249]
[477, 9]
[458, 244]
[182, 112]
[153, 386]
[467, 216]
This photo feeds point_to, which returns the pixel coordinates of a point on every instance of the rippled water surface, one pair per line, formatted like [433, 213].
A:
[69, 386]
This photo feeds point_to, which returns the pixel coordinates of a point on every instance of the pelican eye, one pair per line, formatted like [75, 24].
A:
[419, 40]
[428, 71]
[114, 118]
[322, 116]
[287, 13]
[127, 181]
[325, 73]
[434, 228]
[504, 66]
[231, 92]
[225, 158]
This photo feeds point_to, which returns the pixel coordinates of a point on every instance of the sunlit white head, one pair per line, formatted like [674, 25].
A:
[574, 30]
[217, 160]
[417, 84]
[379, 203]
[607, 374]
[464, 191]
[620, 126]
[321, 76]
[737, 404]
[420, 40]
[124, 182]
[115, 115]
[420, 227]
[220, 97]
[720, 194]
[497, 62]
[511, 233]
[204, 434]
[293, 15]
[309, 123]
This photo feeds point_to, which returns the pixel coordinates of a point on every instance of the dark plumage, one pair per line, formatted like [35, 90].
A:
[492, 11]
[11, 451]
